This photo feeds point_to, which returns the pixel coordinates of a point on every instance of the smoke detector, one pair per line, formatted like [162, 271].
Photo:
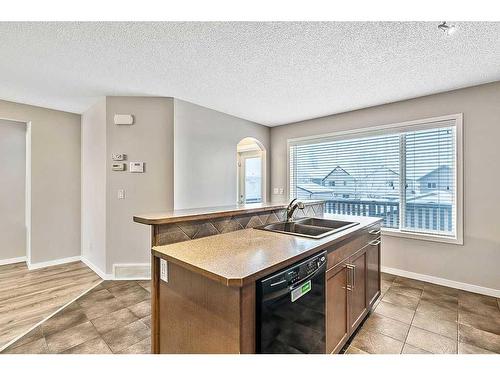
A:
[447, 29]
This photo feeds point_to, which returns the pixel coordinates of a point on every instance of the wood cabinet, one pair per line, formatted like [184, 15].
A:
[358, 305]
[352, 286]
[337, 313]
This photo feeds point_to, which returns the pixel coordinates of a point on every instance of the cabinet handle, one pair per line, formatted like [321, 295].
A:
[375, 242]
[351, 280]
[374, 231]
[353, 277]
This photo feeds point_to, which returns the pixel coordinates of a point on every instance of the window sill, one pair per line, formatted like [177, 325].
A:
[422, 236]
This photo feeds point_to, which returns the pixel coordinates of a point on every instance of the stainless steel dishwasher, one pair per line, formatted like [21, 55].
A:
[291, 309]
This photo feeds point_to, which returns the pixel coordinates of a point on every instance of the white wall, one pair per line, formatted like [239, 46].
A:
[94, 184]
[12, 189]
[205, 170]
[55, 179]
[477, 261]
[150, 140]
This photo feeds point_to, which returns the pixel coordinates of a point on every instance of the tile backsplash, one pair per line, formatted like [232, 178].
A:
[184, 231]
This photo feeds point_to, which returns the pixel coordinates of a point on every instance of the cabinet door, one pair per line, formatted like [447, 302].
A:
[373, 272]
[358, 305]
[337, 308]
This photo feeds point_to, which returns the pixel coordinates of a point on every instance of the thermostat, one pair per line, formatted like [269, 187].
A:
[136, 166]
[118, 166]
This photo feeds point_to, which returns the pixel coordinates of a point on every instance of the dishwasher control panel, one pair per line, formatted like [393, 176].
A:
[295, 274]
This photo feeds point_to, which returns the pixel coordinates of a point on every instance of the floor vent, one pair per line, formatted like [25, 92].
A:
[140, 271]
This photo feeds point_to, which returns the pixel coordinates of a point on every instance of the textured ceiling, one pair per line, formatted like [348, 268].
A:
[271, 73]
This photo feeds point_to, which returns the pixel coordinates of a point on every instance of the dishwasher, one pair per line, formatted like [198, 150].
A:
[291, 309]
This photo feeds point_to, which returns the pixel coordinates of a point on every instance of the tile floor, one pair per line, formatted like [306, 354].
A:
[415, 317]
[411, 317]
[112, 318]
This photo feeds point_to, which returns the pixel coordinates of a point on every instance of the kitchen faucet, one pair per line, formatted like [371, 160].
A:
[292, 206]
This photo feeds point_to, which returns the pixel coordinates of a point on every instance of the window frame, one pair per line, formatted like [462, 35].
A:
[406, 126]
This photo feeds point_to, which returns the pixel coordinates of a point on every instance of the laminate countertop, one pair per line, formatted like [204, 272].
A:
[191, 214]
[240, 257]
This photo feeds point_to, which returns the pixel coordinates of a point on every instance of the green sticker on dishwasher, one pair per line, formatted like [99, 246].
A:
[301, 290]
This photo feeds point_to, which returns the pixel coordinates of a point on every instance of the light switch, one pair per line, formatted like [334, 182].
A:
[275, 191]
[121, 194]
[282, 191]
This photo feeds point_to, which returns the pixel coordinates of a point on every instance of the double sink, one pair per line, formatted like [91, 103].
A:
[309, 227]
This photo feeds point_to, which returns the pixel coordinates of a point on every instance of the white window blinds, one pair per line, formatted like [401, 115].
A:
[405, 177]
[430, 181]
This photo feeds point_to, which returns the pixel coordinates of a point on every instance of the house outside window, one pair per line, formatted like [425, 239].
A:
[424, 157]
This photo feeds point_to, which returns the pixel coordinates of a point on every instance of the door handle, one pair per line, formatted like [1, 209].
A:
[374, 231]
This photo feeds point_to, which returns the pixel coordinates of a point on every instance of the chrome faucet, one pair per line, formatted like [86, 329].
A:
[292, 206]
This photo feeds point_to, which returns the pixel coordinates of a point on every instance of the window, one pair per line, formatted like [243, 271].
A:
[407, 174]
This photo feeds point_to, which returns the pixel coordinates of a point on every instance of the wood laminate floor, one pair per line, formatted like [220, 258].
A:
[28, 297]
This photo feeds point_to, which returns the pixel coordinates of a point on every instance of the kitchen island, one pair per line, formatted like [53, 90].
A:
[204, 297]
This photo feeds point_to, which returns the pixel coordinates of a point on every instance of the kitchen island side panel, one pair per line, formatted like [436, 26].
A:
[198, 315]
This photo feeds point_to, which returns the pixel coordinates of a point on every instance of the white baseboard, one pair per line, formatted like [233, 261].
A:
[123, 271]
[4, 262]
[103, 275]
[132, 271]
[445, 282]
[55, 262]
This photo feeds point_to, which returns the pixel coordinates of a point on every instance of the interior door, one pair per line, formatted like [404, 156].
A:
[250, 177]
[358, 304]
[337, 308]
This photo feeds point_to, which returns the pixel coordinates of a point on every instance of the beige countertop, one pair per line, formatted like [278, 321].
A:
[210, 212]
[242, 256]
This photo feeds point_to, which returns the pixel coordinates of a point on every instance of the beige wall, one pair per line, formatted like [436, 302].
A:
[205, 155]
[12, 189]
[55, 179]
[150, 140]
[477, 261]
[94, 184]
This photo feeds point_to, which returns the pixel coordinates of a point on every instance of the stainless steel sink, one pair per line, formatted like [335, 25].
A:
[326, 223]
[309, 227]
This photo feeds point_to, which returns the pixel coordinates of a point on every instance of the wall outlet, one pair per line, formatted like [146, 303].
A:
[282, 191]
[275, 191]
[121, 194]
[164, 270]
